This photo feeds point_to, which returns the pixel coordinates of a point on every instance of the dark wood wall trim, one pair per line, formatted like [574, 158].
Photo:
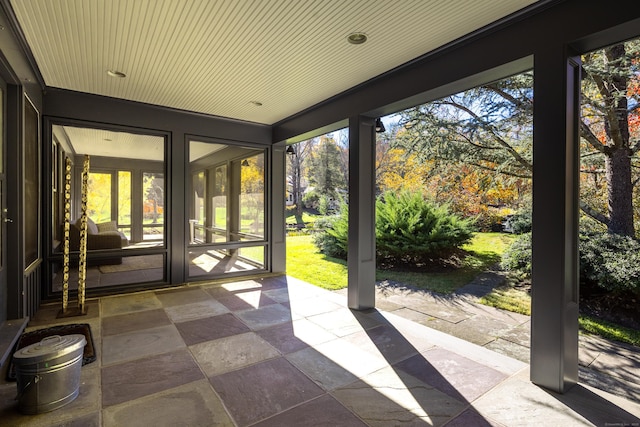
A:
[66, 104]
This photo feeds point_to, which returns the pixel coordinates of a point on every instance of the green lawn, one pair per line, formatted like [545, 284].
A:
[609, 330]
[304, 262]
[519, 301]
[293, 218]
[485, 249]
[510, 299]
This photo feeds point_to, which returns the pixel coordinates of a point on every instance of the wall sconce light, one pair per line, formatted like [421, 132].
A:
[290, 150]
[245, 162]
[379, 126]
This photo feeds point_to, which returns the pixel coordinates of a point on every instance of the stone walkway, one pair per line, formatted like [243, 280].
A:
[608, 365]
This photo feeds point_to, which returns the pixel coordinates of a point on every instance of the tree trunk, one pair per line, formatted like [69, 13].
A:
[620, 193]
[618, 158]
[297, 194]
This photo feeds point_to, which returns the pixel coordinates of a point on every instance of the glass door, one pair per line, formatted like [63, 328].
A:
[227, 209]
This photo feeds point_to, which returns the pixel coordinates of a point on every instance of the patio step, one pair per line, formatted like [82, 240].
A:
[10, 331]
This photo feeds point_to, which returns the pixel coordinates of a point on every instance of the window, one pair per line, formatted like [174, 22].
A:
[99, 197]
[125, 203]
[153, 205]
[251, 211]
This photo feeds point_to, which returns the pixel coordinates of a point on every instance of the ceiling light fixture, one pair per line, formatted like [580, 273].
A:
[379, 125]
[357, 38]
[291, 150]
[115, 73]
[256, 103]
[245, 162]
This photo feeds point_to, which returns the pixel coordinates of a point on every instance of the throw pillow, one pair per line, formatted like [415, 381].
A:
[91, 226]
[107, 226]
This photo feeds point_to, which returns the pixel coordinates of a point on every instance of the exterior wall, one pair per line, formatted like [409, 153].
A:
[21, 292]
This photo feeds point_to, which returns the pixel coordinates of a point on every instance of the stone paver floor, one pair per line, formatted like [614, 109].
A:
[279, 352]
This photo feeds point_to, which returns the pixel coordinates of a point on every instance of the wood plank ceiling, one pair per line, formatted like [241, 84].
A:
[222, 57]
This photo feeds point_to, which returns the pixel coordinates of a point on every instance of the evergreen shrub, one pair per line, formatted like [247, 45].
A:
[408, 229]
[331, 233]
[411, 229]
[311, 199]
[519, 223]
[323, 205]
[608, 262]
[517, 257]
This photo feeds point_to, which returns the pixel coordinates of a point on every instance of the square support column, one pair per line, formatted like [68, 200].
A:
[278, 261]
[555, 275]
[361, 258]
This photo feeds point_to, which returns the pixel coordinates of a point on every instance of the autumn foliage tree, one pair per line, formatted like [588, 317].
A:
[489, 128]
[397, 169]
[478, 145]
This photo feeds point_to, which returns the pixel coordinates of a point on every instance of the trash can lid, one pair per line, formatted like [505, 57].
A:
[49, 348]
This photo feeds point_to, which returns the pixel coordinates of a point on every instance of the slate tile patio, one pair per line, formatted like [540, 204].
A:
[279, 352]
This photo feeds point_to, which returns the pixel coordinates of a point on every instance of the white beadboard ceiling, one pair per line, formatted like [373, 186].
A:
[217, 56]
[108, 143]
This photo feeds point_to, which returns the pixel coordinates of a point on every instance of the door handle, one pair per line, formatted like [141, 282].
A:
[8, 220]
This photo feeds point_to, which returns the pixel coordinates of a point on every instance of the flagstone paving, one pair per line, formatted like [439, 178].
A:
[276, 351]
[612, 366]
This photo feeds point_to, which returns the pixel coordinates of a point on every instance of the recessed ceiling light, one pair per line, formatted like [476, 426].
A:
[256, 103]
[115, 73]
[357, 38]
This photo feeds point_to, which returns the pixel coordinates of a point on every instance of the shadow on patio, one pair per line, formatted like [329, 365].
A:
[280, 352]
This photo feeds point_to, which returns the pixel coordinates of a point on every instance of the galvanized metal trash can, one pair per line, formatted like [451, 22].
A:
[48, 373]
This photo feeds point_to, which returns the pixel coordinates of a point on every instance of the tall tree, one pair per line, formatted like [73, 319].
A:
[343, 146]
[609, 127]
[490, 128]
[325, 171]
[153, 186]
[297, 161]
[483, 134]
[396, 168]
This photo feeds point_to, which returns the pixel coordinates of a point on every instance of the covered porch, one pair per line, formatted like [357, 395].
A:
[277, 351]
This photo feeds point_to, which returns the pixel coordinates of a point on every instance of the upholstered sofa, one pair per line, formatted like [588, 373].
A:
[99, 236]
